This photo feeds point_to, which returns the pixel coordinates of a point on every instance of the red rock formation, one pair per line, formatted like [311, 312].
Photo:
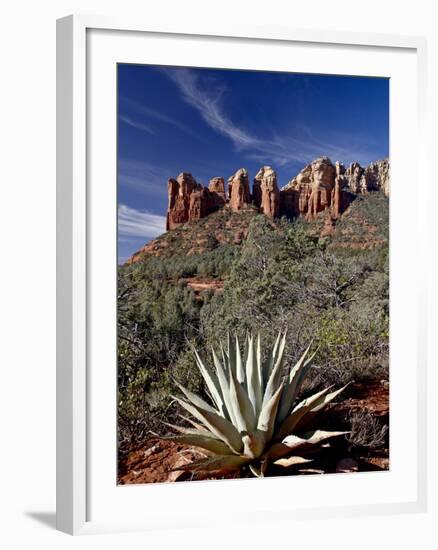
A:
[320, 186]
[317, 188]
[189, 200]
[377, 176]
[199, 204]
[217, 185]
[257, 192]
[312, 190]
[353, 176]
[336, 199]
[374, 177]
[179, 192]
[238, 189]
[216, 188]
[266, 195]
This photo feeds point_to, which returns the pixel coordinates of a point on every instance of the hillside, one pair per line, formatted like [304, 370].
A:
[221, 228]
[243, 271]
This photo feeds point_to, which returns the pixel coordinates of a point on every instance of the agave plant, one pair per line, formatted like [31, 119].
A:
[253, 418]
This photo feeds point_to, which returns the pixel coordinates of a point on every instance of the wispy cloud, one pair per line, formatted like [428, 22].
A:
[279, 150]
[155, 114]
[136, 124]
[208, 103]
[134, 223]
[143, 177]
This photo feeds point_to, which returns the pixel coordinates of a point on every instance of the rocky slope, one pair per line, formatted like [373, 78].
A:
[320, 186]
[221, 228]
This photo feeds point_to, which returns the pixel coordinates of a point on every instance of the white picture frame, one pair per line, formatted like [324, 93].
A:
[75, 218]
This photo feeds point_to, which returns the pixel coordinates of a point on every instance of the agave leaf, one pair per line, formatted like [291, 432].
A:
[195, 399]
[291, 421]
[240, 373]
[231, 354]
[208, 443]
[328, 398]
[197, 426]
[294, 444]
[224, 386]
[292, 461]
[212, 383]
[225, 360]
[245, 354]
[274, 380]
[254, 443]
[252, 378]
[189, 431]
[270, 361]
[268, 414]
[310, 439]
[317, 408]
[218, 425]
[293, 384]
[227, 463]
[256, 472]
[243, 411]
[259, 366]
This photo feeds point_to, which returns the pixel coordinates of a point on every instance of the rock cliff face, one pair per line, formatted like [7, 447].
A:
[238, 189]
[321, 186]
[266, 194]
[189, 200]
[374, 177]
[312, 190]
[217, 188]
[179, 192]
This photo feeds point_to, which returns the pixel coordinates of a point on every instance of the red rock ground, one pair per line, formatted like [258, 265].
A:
[201, 284]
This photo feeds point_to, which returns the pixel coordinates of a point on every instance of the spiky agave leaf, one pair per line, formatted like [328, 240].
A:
[292, 461]
[241, 406]
[212, 383]
[298, 412]
[215, 446]
[240, 372]
[219, 463]
[318, 408]
[293, 383]
[268, 364]
[274, 379]
[306, 409]
[253, 418]
[188, 431]
[216, 424]
[298, 445]
[224, 383]
[252, 376]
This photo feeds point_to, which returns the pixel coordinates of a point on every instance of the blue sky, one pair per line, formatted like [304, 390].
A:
[210, 122]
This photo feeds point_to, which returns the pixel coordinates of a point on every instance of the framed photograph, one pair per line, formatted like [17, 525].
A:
[240, 299]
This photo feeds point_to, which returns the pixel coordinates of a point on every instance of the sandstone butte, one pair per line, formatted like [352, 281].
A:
[320, 186]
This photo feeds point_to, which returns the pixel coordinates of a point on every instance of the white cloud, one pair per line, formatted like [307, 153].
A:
[139, 223]
[135, 124]
[277, 150]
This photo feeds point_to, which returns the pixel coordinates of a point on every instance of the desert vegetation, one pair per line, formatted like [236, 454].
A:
[275, 276]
